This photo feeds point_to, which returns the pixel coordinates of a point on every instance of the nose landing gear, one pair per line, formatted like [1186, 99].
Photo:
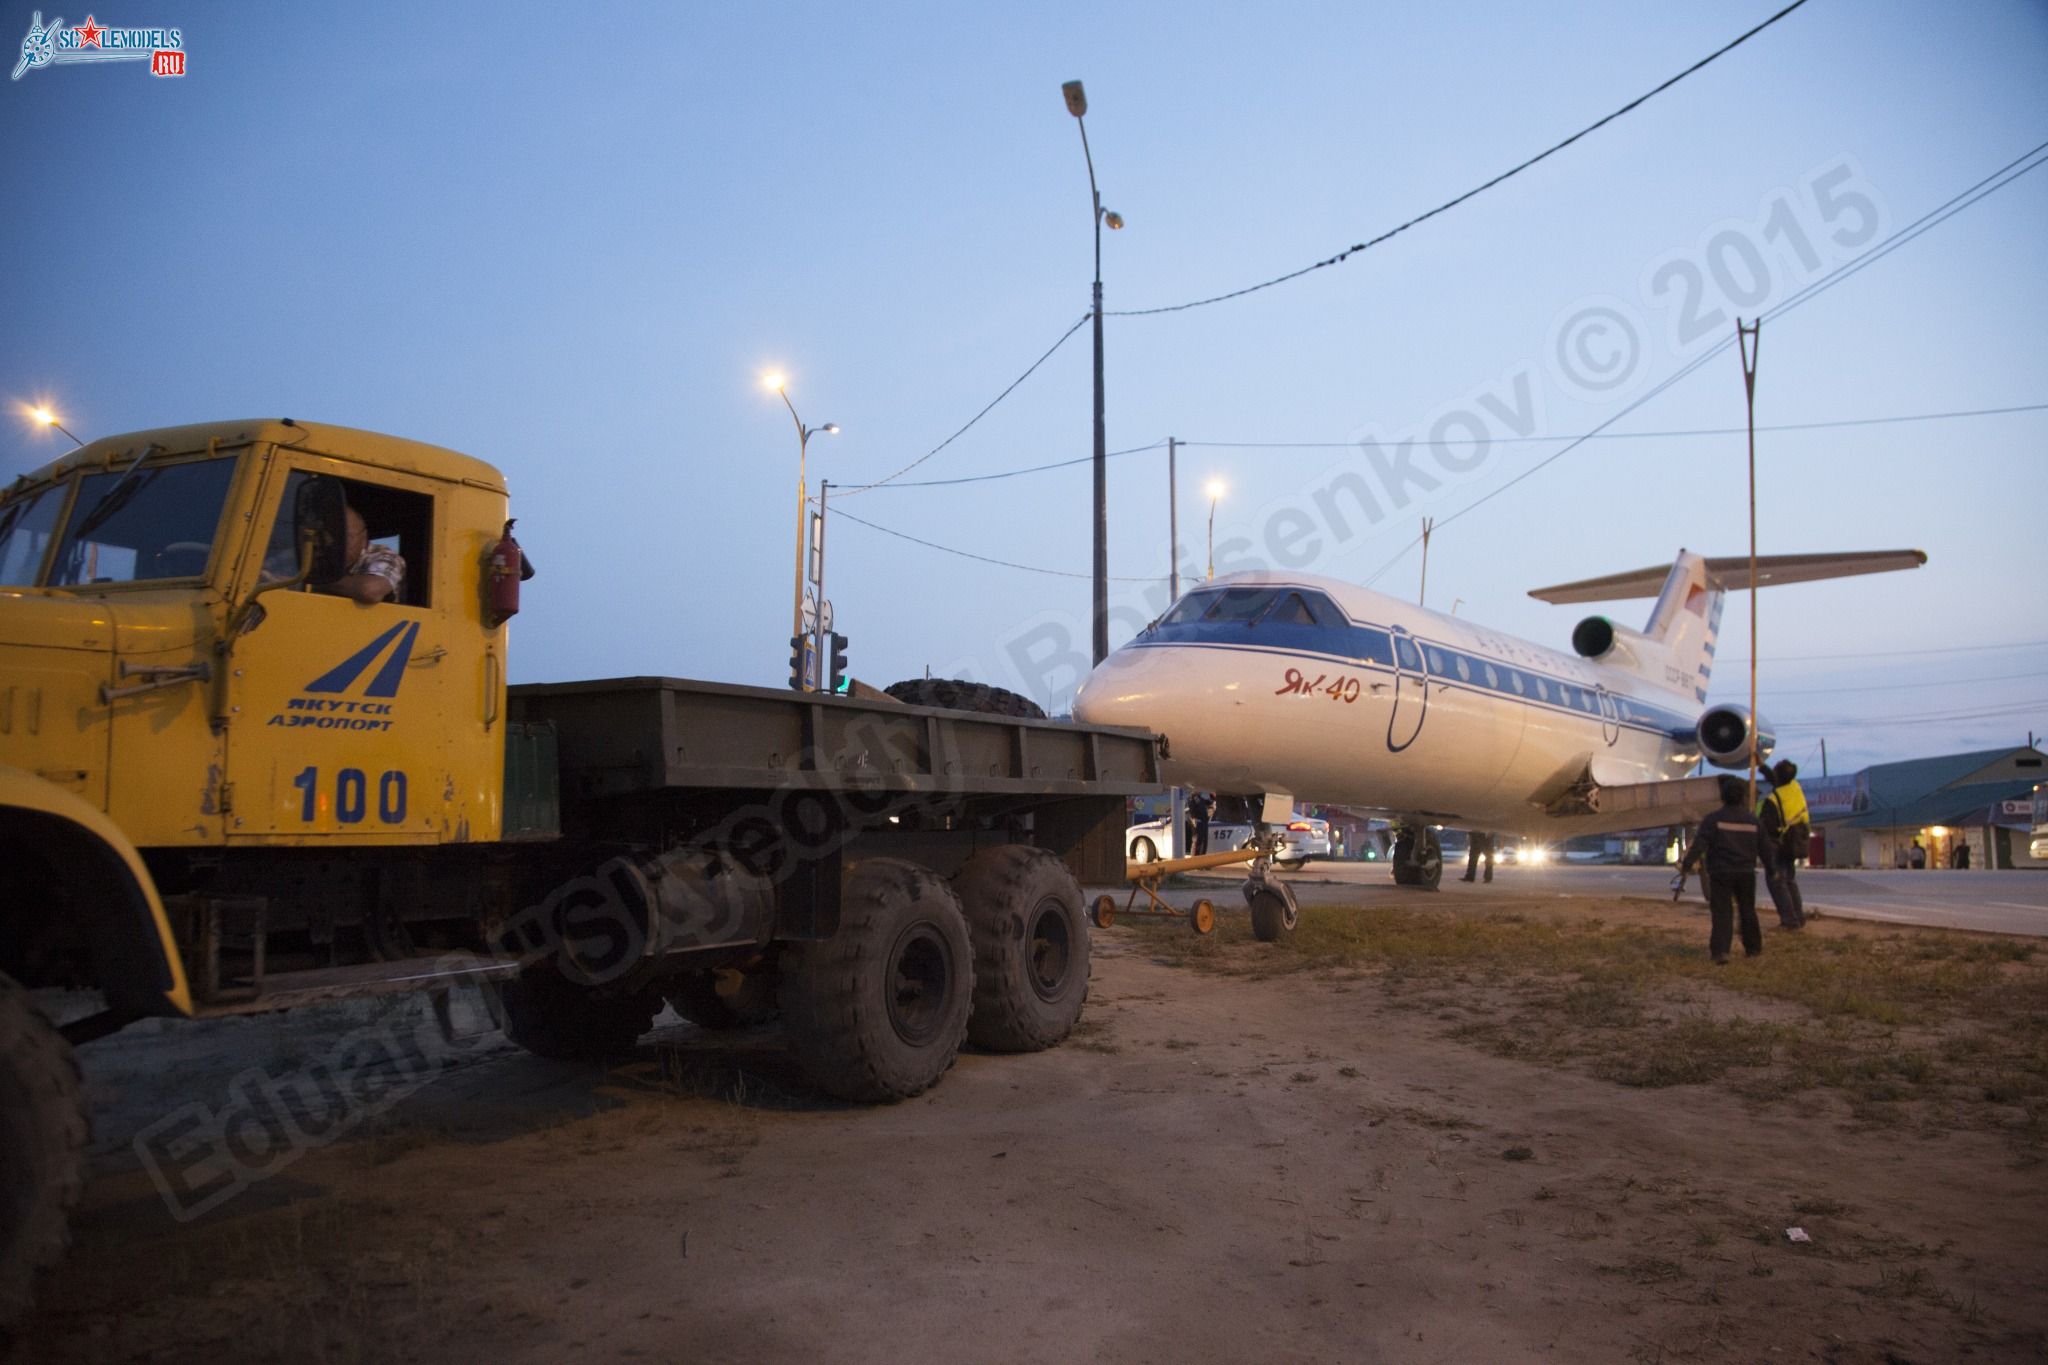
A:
[1418, 857]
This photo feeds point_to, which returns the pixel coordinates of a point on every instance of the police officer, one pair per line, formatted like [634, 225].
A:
[1783, 816]
[1729, 843]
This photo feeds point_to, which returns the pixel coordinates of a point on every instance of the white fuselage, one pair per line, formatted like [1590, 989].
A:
[1392, 707]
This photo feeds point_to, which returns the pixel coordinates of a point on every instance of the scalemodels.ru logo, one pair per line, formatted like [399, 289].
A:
[162, 48]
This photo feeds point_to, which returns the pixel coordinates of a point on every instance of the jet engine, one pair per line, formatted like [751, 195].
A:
[1728, 732]
[1600, 639]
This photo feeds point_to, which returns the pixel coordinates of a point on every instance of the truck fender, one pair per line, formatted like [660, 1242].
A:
[35, 808]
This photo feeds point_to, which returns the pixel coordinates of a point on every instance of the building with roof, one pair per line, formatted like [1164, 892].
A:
[1981, 800]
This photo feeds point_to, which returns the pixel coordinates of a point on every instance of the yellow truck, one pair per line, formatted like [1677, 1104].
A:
[230, 782]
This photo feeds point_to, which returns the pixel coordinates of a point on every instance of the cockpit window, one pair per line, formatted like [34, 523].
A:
[1240, 605]
[26, 525]
[1292, 610]
[1190, 608]
[131, 524]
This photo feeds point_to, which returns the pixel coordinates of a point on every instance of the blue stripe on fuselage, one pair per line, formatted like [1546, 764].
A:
[1371, 649]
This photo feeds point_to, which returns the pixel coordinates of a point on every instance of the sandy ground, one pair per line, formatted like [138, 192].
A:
[1213, 1169]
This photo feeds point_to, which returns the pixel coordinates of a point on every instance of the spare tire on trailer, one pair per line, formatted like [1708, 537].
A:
[957, 694]
[42, 1147]
[1027, 919]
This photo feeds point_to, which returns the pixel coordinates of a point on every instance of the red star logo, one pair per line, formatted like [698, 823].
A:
[89, 33]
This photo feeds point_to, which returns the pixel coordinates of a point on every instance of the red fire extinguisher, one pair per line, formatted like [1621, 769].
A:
[507, 568]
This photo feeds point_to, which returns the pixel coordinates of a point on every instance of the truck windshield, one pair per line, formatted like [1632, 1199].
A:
[26, 525]
[129, 526]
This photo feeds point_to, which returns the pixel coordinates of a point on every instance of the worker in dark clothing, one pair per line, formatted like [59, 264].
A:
[1478, 846]
[1729, 843]
[1783, 817]
[1201, 809]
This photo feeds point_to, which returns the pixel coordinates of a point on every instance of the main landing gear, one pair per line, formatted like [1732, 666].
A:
[1418, 857]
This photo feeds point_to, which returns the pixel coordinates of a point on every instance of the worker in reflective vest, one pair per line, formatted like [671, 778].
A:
[1783, 816]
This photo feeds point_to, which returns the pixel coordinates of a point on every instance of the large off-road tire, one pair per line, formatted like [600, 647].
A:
[552, 1016]
[42, 1147]
[1274, 915]
[878, 1011]
[955, 694]
[725, 999]
[1026, 918]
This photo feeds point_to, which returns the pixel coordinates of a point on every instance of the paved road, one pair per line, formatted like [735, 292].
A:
[1992, 902]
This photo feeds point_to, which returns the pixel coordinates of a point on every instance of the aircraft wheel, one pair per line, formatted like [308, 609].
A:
[1429, 862]
[1274, 915]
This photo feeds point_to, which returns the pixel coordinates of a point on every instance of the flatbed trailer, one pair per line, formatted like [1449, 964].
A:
[233, 781]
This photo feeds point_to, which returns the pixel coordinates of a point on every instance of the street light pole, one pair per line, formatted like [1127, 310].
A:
[803, 442]
[1215, 493]
[1077, 105]
[1172, 522]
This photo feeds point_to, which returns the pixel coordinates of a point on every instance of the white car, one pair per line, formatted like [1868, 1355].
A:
[1148, 841]
[1306, 839]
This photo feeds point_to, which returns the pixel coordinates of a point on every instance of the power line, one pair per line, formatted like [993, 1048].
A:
[1933, 218]
[1888, 653]
[1508, 174]
[969, 554]
[1013, 473]
[1644, 435]
[1921, 718]
[1896, 687]
[862, 488]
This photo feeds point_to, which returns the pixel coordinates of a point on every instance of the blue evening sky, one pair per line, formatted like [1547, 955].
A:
[569, 240]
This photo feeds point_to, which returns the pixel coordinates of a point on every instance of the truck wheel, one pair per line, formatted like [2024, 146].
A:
[955, 694]
[725, 999]
[1273, 915]
[552, 1016]
[877, 1011]
[1025, 917]
[1143, 850]
[42, 1147]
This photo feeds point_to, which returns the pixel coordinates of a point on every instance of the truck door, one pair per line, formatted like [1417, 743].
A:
[359, 721]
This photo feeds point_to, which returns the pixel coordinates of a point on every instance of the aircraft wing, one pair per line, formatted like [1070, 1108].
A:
[1732, 571]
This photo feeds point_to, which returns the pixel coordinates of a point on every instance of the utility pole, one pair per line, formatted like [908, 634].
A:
[1823, 756]
[1172, 520]
[1428, 524]
[1748, 341]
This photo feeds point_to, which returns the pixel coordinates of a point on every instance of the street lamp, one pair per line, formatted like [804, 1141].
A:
[1215, 495]
[803, 441]
[49, 419]
[1077, 105]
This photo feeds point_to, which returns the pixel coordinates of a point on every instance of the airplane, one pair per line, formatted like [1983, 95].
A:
[1270, 686]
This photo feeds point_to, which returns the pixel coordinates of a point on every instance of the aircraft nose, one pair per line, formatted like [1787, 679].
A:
[1120, 692]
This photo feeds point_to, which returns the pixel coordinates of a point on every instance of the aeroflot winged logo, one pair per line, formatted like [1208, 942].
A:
[162, 48]
[324, 703]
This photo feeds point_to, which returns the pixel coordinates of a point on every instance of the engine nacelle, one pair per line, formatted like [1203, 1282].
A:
[1600, 639]
[1728, 732]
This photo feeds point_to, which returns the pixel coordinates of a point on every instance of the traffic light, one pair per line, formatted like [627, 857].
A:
[796, 661]
[837, 672]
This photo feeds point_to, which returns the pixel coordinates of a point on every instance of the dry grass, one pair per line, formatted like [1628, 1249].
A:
[1914, 1028]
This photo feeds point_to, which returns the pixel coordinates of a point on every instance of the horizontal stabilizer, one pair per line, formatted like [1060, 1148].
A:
[1732, 571]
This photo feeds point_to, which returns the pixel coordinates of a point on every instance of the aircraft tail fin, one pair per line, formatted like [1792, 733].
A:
[1687, 618]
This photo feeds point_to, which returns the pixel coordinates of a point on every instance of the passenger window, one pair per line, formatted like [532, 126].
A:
[1405, 649]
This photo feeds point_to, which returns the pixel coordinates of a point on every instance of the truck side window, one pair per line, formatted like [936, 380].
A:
[395, 518]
